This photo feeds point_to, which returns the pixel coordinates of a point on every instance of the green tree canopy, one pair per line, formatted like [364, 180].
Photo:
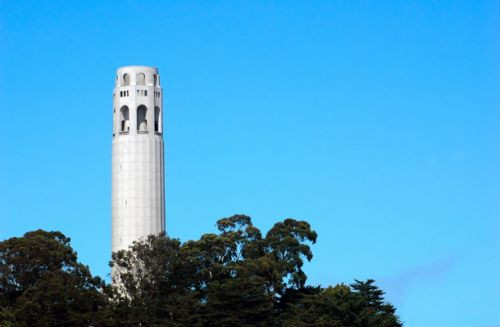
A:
[239, 278]
[235, 277]
[43, 284]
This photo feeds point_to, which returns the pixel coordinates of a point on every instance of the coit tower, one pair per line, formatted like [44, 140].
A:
[138, 183]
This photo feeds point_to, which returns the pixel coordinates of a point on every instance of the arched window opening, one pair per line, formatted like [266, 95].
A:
[157, 119]
[124, 119]
[155, 77]
[142, 122]
[141, 78]
[126, 79]
[114, 121]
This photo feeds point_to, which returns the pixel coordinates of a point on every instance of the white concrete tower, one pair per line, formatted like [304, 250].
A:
[138, 188]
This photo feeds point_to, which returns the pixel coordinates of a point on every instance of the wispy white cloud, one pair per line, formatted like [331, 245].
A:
[431, 273]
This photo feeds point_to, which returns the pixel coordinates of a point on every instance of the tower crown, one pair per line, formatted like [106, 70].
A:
[137, 75]
[137, 102]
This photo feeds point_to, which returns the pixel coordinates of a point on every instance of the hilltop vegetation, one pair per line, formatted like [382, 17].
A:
[237, 277]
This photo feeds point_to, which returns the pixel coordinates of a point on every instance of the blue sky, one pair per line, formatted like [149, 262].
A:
[377, 122]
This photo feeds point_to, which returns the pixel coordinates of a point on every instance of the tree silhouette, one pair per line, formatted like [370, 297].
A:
[236, 277]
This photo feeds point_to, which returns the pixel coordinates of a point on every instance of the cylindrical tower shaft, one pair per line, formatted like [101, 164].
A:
[138, 191]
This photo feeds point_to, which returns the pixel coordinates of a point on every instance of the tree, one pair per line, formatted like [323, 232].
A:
[358, 305]
[370, 306]
[286, 244]
[43, 284]
[155, 284]
[229, 279]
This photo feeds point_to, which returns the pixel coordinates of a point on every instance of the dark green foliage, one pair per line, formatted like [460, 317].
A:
[42, 284]
[358, 305]
[237, 277]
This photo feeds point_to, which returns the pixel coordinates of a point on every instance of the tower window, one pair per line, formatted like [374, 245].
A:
[140, 79]
[146, 92]
[124, 119]
[157, 119]
[142, 123]
[126, 79]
